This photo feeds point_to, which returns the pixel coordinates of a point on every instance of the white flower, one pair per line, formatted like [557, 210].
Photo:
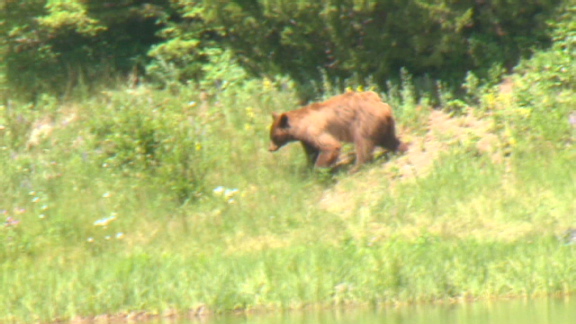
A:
[228, 193]
[105, 221]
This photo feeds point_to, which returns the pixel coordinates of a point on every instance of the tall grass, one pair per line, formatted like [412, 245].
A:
[168, 200]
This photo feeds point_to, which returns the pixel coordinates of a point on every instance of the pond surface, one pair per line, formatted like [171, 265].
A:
[544, 311]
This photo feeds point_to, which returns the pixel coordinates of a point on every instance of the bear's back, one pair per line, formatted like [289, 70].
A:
[343, 115]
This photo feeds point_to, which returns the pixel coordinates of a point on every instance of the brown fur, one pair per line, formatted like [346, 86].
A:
[355, 117]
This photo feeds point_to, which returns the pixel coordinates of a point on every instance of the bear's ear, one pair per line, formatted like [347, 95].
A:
[284, 121]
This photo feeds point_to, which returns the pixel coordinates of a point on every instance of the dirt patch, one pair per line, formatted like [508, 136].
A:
[42, 130]
[444, 131]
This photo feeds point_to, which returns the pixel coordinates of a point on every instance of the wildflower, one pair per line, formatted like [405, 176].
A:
[105, 221]
[19, 210]
[226, 193]
[32, 193]
[198, 146]
[106, 195]
[107, 237]
[572, 119]
[11, 222]
[44, 207]
[119, 235]
[267, 84]
[35, 199]
[41, 216]
[250, 112]
[229, 193]
[90, 240]
[511, 139]
[192, 104]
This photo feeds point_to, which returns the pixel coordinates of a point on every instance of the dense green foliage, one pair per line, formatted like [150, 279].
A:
[547, 84]
[53, 45]
[362, 39]
[57, 45]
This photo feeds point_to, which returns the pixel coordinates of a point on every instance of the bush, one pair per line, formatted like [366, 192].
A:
[154, 138]
[545, 87]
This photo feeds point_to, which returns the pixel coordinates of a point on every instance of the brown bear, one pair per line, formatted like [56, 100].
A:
[355, 117]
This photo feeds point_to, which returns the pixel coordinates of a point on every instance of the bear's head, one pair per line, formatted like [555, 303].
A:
[279, 131]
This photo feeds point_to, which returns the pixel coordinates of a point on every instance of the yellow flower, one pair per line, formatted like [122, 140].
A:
[250, 112]
[267, 84]
[510, 136]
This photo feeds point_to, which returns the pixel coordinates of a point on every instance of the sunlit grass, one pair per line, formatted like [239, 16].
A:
[152, 201]
[392, 272]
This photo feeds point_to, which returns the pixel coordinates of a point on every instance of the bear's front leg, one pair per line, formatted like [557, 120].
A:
[311, 153]
[327, 158]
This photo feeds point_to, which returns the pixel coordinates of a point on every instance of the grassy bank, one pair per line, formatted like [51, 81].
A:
[168, 200]
[396, 271]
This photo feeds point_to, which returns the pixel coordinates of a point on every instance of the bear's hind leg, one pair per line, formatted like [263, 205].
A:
[364, 148]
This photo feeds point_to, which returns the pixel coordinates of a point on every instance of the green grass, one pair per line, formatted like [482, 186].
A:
[288, 237]
[158, 280]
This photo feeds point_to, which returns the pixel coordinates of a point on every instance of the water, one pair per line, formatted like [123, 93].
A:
[546, 311]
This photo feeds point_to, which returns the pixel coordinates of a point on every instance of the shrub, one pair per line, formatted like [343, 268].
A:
[145, 136]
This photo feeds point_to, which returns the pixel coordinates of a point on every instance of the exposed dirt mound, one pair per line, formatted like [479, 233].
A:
[445, 131]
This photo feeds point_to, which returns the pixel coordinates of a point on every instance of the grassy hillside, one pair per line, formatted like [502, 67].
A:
[163, 201]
